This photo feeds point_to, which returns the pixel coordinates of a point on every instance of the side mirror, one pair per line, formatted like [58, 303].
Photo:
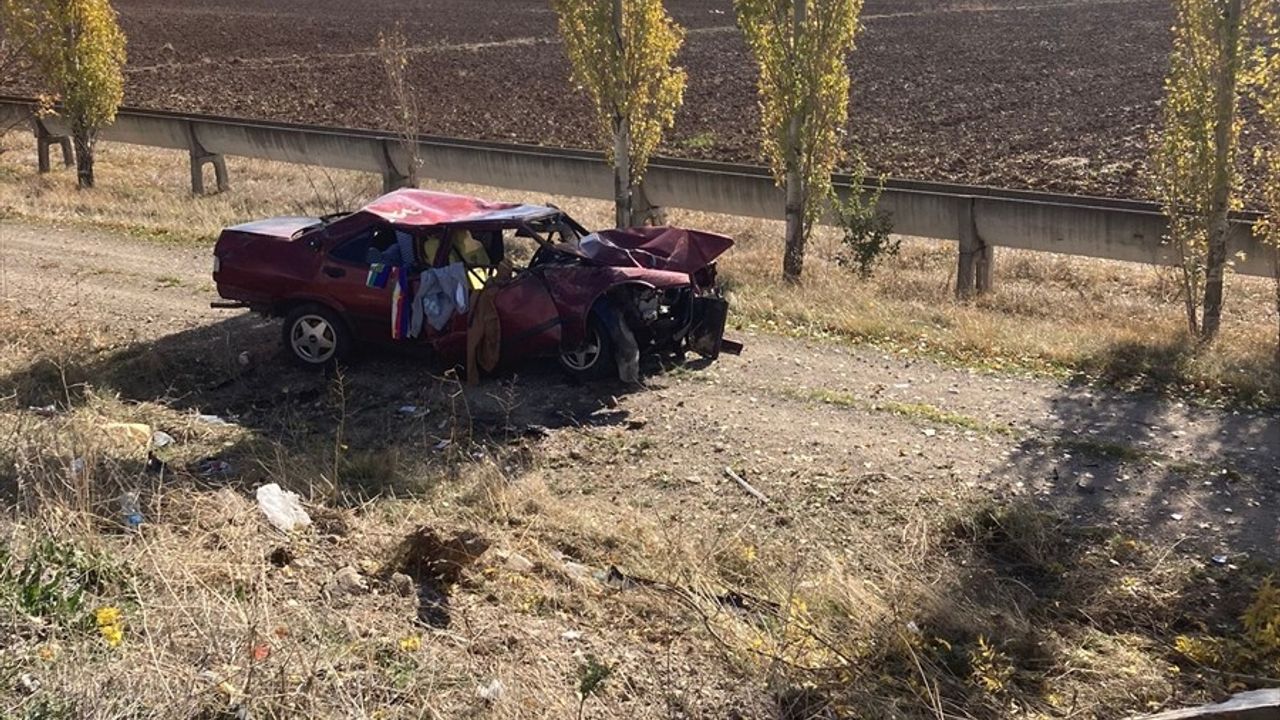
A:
[314, 243]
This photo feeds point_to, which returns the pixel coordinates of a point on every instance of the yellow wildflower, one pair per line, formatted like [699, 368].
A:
[411, 643]
[110, 625]
[107, 616]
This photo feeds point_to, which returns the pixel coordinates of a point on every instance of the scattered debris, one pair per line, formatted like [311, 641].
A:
[161, 439]
[282, 508]
[402, 584]
[214, 467]
[43, 410]
[491, 692]
[135, 432]
[407, 409]
[131, 510]
[746, 486]
[350, 581]
[518, 563]
[578, 571]
[211, 420]
[571, 635]
[244, 359]
[1220, 559]
[1086, 484]
[1176, 516]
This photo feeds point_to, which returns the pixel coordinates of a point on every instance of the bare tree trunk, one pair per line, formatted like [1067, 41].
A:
[84, 142]
[621, 138]
[622, 171]
[797, 232]
[1219, 219]
[1275, 269]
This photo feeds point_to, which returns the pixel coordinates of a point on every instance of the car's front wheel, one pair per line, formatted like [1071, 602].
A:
[315, 336]
[593, 359]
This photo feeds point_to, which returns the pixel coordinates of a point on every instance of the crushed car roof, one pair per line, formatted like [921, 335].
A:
[412, 207]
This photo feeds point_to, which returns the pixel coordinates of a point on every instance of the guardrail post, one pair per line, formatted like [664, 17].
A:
[976, 258]
[44, 139]
[201, 157]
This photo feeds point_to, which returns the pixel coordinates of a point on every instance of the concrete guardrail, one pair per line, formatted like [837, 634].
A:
[978, 218]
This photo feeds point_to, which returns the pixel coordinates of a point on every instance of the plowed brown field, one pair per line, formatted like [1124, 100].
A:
[1048, 94]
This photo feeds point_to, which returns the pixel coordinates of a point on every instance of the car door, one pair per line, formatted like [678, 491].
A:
[528, 317]
[343, 277]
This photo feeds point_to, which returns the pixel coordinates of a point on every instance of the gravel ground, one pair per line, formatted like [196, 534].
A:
[841, 438]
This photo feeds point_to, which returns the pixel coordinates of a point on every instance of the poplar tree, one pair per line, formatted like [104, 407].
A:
[1195, 155]
[79, 51]
[622, 53]
[801, 48]
[1263, 81]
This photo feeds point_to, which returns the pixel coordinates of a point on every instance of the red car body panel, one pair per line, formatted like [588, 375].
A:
[271, 265]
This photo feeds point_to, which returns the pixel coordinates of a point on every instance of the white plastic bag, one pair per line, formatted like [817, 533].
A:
[282, 508]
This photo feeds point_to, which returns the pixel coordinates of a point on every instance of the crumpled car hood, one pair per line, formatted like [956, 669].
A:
[654, 248]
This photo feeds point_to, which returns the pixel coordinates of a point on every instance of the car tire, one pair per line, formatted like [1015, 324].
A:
[316, 337]
[593, 360]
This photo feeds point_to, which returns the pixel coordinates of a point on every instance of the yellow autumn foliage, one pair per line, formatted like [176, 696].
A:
[803, 75]
[632, 77]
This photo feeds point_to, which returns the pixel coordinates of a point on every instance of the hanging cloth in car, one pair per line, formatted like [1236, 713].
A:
[400, 299]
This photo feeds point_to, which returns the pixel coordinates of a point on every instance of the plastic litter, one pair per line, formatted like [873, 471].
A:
[407, 409]
[161, 439]
[131, 510]
[137, 432]
[491, 692]
[214, 467]
[211, 420]
[282, 508]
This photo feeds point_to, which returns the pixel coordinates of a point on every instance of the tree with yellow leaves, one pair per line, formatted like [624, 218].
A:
[1263, 81]
[79, 51]
[1195, 154]
[15, 37]
[623, 53]
[801, 47]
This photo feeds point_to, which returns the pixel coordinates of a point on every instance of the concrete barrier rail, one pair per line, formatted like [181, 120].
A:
[978, 218]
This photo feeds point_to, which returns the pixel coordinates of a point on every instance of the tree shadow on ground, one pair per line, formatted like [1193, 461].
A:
[1169, 367]
[1121, 525]
[391, 416]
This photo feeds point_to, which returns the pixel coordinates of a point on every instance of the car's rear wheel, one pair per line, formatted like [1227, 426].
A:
[593, 359]
[316, 337]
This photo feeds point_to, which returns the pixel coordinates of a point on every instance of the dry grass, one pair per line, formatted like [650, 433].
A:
[982, 611]
[1115, 322]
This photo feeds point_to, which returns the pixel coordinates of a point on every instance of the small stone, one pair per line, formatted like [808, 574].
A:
[519, 563]
[1176, 516]
[571, 635]
[577, 571]
[930, 432]
[348, 580]
[1085, 484]
[402, 584]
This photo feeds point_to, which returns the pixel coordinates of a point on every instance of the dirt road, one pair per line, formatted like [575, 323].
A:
[846, 438]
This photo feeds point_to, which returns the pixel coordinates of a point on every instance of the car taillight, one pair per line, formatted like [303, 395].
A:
[217, 264]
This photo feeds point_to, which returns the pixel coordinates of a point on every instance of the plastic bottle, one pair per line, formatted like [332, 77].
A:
[131, 510]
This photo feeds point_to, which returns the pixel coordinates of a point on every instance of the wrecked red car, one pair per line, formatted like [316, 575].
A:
[479, 282]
